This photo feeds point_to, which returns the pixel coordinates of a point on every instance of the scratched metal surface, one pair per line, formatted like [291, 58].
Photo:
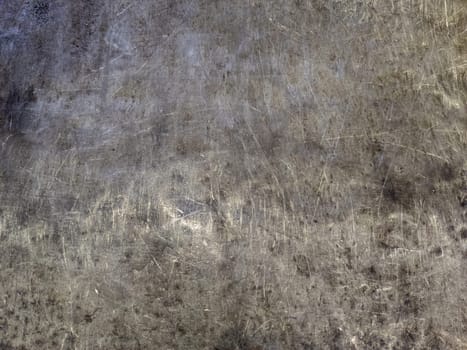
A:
[233, 175]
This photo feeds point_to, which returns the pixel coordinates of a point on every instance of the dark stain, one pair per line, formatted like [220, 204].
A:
[89, 317]
[23, 216]
[87, 21]
[157, 246]
[372, 273]
[410, 304]
[441, 171]
[8, 346]
[41, 11]
[437, 251]
[374, 341]
[303, 264]
[102, 49]
[409, 337]
[15, 114]
[235, 338]
[447, 172]
[399, 191]
[13, 255]
[462, 200]
[348, 256]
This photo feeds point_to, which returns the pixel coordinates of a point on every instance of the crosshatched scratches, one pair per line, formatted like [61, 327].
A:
[255, 175]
